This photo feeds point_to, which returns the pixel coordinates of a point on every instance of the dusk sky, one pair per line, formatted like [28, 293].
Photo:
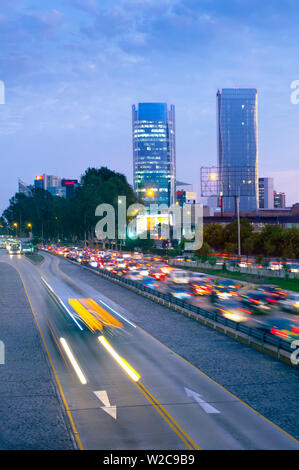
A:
[73, 68]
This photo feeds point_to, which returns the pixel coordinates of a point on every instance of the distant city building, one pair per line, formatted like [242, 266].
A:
[39, 182]
[266, 190]
[24, 188]
[238, 145]
[185, 197]
[55, 185]
[279, 200]
[213, 204]
[70, 186]
[154, 152]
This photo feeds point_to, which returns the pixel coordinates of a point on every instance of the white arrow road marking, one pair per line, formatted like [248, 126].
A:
[205, 406]
[103, 397]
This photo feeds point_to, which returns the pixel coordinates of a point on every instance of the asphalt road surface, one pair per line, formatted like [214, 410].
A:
[159, 402]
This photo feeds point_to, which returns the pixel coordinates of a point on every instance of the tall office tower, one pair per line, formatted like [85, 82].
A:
[238, 146]
[279, 200]
[154, 152]
[266, 193]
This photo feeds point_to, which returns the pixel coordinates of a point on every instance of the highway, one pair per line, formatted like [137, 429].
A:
[159, 401]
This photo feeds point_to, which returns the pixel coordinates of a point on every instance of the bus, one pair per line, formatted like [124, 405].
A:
[14, 248]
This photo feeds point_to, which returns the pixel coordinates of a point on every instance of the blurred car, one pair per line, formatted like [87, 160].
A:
[282, 327]
[274, 266]
[272, 290]
[229, 283]
[294, 268]
[158, 274]
[179, 277]
[259, 301]
[201, 288]
[194, 277]
[93, 264]
[222, 293]
[134, 276]
[290, 303]
[180, 292]
[234, 310]
[149, 282]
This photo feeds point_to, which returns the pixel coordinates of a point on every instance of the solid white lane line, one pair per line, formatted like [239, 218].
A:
[121, 316]
[62, 303]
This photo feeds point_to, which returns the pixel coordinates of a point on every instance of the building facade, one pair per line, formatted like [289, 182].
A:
[266, 190]
[238, 147]
[154, 152]
[279, 200]
[55, 185]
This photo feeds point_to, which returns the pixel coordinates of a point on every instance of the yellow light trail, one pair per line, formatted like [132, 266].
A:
[100, 313]
[121, 362]
[91, 322]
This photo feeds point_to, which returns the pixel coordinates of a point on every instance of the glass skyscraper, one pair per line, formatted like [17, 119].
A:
[238, 147]
[154, 152]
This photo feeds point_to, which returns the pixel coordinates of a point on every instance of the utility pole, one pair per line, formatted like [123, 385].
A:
[237, 205]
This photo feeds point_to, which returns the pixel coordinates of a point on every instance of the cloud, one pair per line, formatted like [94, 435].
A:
[89, 6]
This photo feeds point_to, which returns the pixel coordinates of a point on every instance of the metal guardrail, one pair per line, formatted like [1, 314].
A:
[262, 336]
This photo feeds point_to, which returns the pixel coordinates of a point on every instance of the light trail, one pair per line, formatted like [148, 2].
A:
[73, 361]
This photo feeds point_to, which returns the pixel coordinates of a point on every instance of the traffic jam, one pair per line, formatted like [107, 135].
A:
[263, 306]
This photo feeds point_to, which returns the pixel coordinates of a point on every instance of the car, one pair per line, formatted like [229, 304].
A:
[157, 274]
[27, 247]
[179, 277]
[230, 283]
[282, 327]
[180, 292]
[234, 310]
[194, 277]
[259, 301]
[222, 293]
[290, 303]
[272, 290]
[134, 276]
[201, 287]
[149, 282]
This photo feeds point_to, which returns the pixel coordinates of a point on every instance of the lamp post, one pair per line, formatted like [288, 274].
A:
[29, 226]
[15, 224]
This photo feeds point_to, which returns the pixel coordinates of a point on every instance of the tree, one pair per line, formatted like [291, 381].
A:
[213, 234]
[204, 251]
[98, 186]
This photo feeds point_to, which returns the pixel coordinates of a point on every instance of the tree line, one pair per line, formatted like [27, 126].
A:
[51, 217]
[272, 241]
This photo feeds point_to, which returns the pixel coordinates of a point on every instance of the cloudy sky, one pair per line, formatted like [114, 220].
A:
[73, 68]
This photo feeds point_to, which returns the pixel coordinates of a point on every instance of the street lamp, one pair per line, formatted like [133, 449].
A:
[29, 226]
[15, 224]
[150, 192]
